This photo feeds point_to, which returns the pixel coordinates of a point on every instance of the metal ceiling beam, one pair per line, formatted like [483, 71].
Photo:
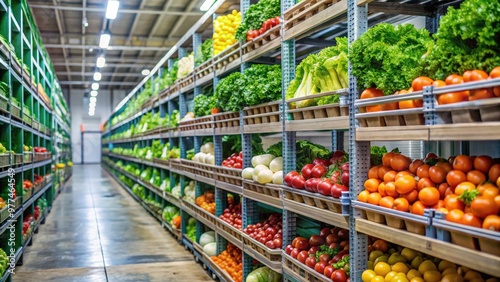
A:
[152, 63]
[156, 39]
[121, 74]
[84, 83]
[150, 60]
[111, 48]
[61, 31]
[125, 11]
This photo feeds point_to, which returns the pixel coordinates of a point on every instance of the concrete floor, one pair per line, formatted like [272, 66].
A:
[97, 232]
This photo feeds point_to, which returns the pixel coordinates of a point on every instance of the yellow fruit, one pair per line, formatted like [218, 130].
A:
[444, 264]
[425, 266]
[471, 274]
[412, 274]
[378, 279]
[382, 268]
[400, 267]
[452, 277]
[368, 275]
[401, 277]
[374, 255]
[449, 271]
[415, 263]
[417, 279]
[409, 254]
[432, 276]
[390, 275]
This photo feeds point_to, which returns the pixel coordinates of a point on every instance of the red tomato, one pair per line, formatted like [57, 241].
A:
[339, 275]
[289, 176]
[328, 271]
[298, 182]
[307, 171]
[320, 267]
[318, 171]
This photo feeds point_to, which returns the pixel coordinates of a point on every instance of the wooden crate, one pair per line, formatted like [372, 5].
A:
[4, 52]
[27, 195]
[227, 58]
[27, 120]
[5, 160]
[200, 123]
[186, 81]
[273, 255]
[234, 234]
[264, 113]
[304, 10]
[228, 175]
[261, 40]
[486, 110]
[27, 158]
[228, 122]
[205, 71]
[268, 193]
[4, 213]
[301, 270]
[4, 104]
[17, 159]
[407, 117]
[15, 111]
[169, 91]
[313, 199]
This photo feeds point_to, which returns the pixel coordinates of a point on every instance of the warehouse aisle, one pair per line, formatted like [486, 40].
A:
[97, 232]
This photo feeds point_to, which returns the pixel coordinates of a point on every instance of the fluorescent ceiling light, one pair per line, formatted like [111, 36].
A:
[101, 61]
[93, 99]
[145, 72]
[112, 9]
[97, 76]
[93, 93]
[91, 113]
[206, 5]
[104, 40]
[92, 103]
[95, 86]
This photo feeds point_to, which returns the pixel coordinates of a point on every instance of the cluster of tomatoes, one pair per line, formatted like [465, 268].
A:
[266, 25]
[465, 188]
[268, 232]
[326, 177]
[234, 161]
[327, 253]
[232, 215]
[419, 83]
[231, 261]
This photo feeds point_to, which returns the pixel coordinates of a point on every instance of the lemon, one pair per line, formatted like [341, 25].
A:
[412, 274]
[471, 274]
[382, 268]
[417, 279]
[449, 271]
[368, 275]
[400, 277]
[425, 266]
[390, 275]
[444, 264]
[400, 267]
[452, 277]
[378, 279]
[409, 254]
[432, 276]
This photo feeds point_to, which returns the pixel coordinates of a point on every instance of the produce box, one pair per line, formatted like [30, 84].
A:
[35, 125]
[28, 120]
[15, 111]
[469, 112]
[204, 72]
[17, 159]
[27, 194]
[5, 160]
[187, 82]
[4, 103]
[4, 213]
[28, 157]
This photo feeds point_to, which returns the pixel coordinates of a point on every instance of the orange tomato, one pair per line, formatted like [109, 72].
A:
[495, 73]
[403, 173]
[477, 75]
[454, 79]
[438, 83]
[494, 173]
[420, 82]
[374, 198]
[479, 94]
[372, 93]
[429, 196]
[490, 192]
[437, 174]
[476, 177]
[492, 222]
[466, 76]
[455, 215]
[408, 104]
[443, 210]
[423, 171]
[386, 202]
[386, 159]
[372, 184]
[464, 186]
[455, 177]
[363, 196]
[439, 205]
[482, 188]
[451, 202]
[382, 171]
[442, 189]
[418, 208]
[411, 197]
[471, 220]
[483, 206]
[373, 172]
[381, 189]
[390, 176]
[399, 162]
[405, 184]
[451, 98]
[390, 189]
[414, 165]
[483, 163]
[425, 182]
[462, 163]
[389, 106]
[401, 204]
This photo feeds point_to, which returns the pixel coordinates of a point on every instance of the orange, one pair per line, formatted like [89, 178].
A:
[405, 184]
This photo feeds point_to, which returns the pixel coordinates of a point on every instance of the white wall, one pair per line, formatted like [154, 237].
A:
[79, 107]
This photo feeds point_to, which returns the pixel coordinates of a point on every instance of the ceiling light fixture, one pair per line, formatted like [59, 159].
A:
[145, 72]
[85, 22]
[101, 61]
[95, 86]
[93, 99]
[104, 40]
[93, 93]
[206, 5]
[112, 9]
[97, 76]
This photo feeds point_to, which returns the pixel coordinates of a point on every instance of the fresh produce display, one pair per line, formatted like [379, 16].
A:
[224, 30]
[207, 201]
[234, 161]
[319, 73]
[204, 103]
[188, 116]
[2, 203]
[139, 191]
[257, 19]
[185, 65]
[28, 226]
[40, 149]
[207, 242]
[205, 52]
[206, 154]
[27, 185]
[232, 215]
[327, 253]
[171, 214]
[265, 169]
[3, 150]
[457, 186]
[256, 85]
[329, 177]
[305, 152]
[40, 208]
[398, 264]
[230, 260]
[190, 192]
[37, 179]
[268, 232]
[264, 274]
[191, 229]
[4, 261]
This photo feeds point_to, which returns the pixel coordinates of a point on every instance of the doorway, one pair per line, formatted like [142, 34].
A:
[91, 147]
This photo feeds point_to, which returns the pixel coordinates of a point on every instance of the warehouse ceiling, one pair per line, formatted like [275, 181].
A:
[141, 34]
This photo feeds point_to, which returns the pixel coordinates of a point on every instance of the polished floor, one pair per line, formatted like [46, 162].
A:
[97, 232]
